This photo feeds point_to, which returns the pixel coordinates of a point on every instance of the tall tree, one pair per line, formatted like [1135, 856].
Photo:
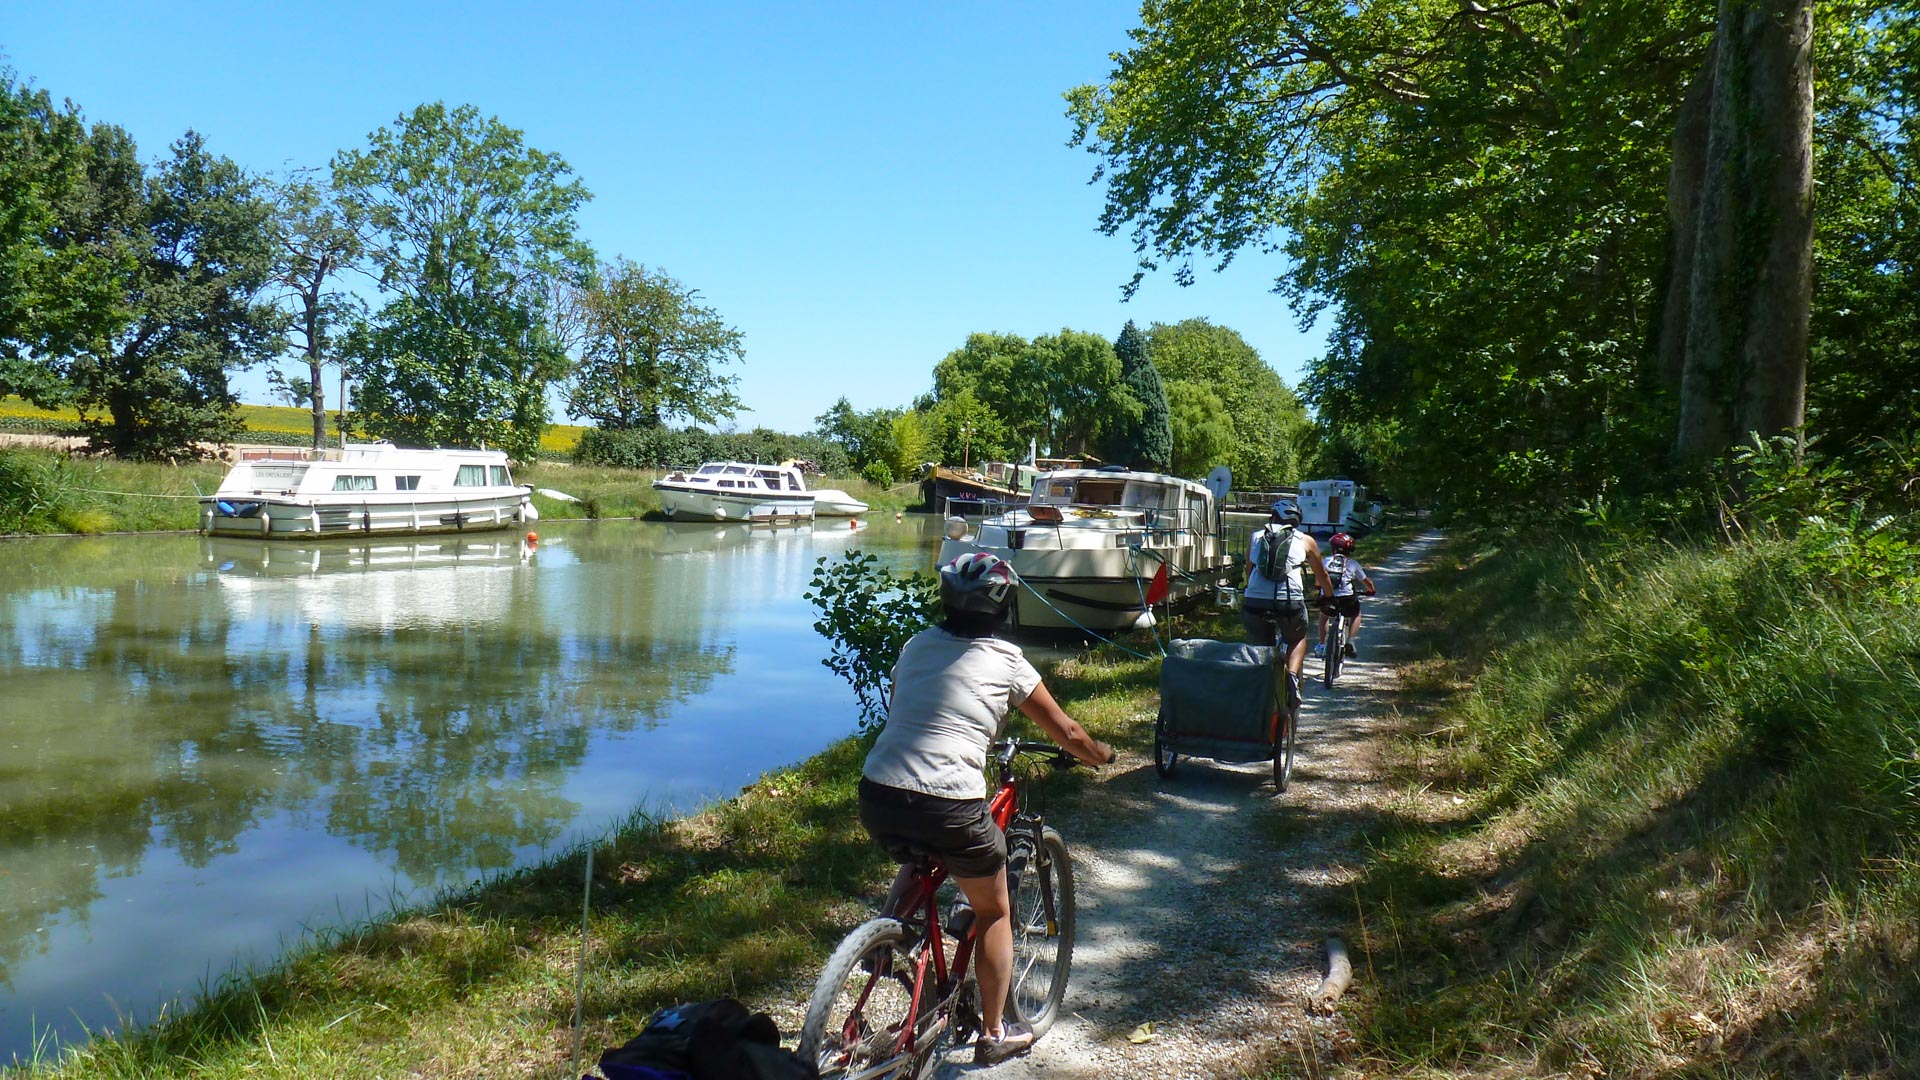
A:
[469, 230]
[1750, 278]
[200, 230]
[651, 351]
[314, 246]
[1267, 423]
[1148, 444]
[64, 256]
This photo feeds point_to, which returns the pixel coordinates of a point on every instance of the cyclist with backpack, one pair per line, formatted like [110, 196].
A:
[1275, 596]
[1349, 581]
[924, 786]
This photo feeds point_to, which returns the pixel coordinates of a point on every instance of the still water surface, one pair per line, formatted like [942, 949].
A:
[208, 746]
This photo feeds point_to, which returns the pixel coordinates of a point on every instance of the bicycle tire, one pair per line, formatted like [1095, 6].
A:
[1045, 880]
[882, 1015]
[1165, 760]
[1331, 665]
[1283, 743]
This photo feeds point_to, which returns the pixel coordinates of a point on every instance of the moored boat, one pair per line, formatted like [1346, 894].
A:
[1090, 544]
[736, 491]
[365, 489]
[992, 486]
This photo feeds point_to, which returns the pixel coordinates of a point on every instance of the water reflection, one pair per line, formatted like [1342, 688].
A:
[209, 743]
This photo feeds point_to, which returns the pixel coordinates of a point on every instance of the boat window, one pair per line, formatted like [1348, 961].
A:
[708, 470]
[736, 470]
[353, 483]
[1057, 492]
[726, 483]
[1091, 492]
[471, 476]
[500, 476]
[406, 483]
[1142, 493]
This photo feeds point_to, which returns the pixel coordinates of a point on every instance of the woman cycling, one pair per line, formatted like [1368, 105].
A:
[924, 783]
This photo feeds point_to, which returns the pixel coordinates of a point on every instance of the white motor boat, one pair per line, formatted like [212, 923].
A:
[367, 489]
[736, 491]
[832, 502]
[1090, 545]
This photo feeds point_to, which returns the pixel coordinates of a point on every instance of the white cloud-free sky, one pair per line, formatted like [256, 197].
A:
[855, 186]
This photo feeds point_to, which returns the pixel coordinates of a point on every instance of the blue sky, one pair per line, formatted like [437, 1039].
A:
[856, 187]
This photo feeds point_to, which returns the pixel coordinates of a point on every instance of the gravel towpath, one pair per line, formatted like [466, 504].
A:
[1204, 900]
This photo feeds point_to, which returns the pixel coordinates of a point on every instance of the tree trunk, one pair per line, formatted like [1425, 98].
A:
[1751, 282]
[1683, 208]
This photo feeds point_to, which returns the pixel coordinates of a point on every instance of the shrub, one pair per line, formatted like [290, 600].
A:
[869, 613]
[878, 473]
[662, 448]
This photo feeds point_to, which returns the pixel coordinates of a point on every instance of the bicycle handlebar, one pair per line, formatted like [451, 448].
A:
[1007, 749]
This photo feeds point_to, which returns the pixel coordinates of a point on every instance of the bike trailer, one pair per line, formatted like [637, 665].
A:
[1216, 700]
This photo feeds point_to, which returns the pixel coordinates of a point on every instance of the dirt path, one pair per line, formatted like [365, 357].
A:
[1204, 900]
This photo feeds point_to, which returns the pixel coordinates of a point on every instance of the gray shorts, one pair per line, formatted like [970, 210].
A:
[1260, 618]
[958, 832]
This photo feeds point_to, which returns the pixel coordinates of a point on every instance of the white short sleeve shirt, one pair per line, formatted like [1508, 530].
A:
[950, 697]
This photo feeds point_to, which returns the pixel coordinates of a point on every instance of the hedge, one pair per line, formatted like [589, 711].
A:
[664, 448]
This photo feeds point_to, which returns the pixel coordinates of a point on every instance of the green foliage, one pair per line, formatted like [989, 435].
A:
[1477, 198]
[878, 473]
[63, 259]
[660, 448]
[1062, 391]
[314, 245]
[866, 438]
[962, 429]
[1202, 431]
[650, 352]
[472, 233]
[1149, 443]
[1268, 427]
[911, 445]
[200, 232]
[869, 613]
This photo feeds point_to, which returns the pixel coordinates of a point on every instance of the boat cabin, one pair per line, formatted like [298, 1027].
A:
[743, 478]
[1328, 506]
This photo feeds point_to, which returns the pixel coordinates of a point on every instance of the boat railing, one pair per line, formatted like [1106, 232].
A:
[1154, 526]
[954, 506]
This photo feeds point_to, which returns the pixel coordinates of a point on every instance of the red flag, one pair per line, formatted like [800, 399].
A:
[1160, 586]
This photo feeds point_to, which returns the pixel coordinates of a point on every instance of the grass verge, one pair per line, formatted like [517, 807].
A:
[1666, 801]
[744, 899]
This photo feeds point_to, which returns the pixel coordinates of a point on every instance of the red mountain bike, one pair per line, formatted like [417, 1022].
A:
[891, 997]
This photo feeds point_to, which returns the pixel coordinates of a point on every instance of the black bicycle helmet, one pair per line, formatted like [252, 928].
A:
[1286, 511]
[976, 583]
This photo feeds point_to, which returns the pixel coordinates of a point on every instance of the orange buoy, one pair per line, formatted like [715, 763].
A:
[533, 538]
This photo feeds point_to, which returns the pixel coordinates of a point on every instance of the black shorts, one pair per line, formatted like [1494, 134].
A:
[958, 832]
[1348, 605]
[1260, 617]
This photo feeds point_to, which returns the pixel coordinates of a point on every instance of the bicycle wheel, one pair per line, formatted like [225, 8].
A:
[1164, 759]
[1042, 916]
[862, 1004]
[1336, 624]
[1283, 741]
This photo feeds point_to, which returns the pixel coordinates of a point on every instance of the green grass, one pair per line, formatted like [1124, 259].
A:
[45, 491]
[1689, 787]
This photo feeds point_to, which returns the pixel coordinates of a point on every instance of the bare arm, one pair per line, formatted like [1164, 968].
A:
[1063, 729]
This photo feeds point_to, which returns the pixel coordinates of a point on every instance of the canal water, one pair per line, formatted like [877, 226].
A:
[209, 747]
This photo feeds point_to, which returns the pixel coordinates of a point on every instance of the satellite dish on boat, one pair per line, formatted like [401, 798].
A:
[1219, 481]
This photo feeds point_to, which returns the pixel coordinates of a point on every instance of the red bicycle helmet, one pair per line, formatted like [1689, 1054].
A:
[1341, 543]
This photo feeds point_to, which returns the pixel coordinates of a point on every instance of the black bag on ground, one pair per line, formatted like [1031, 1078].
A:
[710, 1040]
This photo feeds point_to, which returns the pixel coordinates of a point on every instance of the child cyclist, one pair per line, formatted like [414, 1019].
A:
[1350, 580]
[924, 782]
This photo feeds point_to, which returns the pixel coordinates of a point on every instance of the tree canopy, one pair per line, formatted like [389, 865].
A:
[651, 352]
[470, 232]
[1492, 206]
